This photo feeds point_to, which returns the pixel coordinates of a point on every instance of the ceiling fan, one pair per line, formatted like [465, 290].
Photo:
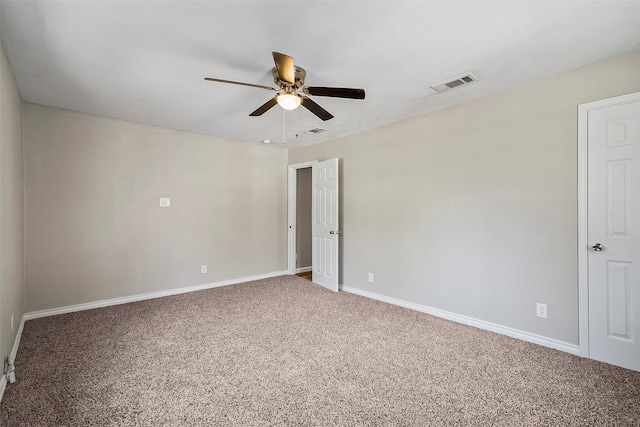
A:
[291, 89]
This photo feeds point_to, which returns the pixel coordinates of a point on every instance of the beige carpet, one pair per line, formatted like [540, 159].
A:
[284, 351]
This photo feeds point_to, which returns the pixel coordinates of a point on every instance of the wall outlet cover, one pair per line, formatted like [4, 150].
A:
[541, 310]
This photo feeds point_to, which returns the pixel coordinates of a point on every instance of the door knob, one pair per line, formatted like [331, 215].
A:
[335, 232]
[597, 247]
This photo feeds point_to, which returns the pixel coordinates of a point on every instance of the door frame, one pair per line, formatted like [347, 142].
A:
[583, 231]
[292, 226]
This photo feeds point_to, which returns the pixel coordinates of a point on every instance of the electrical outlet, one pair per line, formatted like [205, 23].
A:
[203, 269]
[371, 277]
[541, 310]
[165, 202]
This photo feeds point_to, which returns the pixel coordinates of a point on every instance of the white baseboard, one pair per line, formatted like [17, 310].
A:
[16, 341]
[481, 324]
[12, 356]
[3, 385]
[304, 269]
[141, 297]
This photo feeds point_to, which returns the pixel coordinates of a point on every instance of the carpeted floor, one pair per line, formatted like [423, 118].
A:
[284, 351]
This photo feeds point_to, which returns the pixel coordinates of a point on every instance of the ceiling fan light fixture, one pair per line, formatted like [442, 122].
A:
[291, 92]
[288, 101]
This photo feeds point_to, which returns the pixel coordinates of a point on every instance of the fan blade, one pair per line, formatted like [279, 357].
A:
[264, 107]
[284, 65]
[336, 92]
[211, 79]
[316, 109]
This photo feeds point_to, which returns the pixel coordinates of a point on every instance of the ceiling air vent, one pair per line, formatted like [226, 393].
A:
[314, 131]
[461, 80]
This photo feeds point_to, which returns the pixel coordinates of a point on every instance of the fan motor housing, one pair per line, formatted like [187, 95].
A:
[299, 75]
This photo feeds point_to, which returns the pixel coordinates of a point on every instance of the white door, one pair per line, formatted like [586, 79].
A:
[325, 224]
[613, 204]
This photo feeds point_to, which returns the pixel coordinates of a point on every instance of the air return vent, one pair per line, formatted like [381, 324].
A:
[461, 80]
[314, 131]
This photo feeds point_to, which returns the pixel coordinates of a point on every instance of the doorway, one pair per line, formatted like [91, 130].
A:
[292, 217]
[325, 207]
[303, 229]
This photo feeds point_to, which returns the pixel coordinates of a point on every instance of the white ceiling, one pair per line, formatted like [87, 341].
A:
[145, 61]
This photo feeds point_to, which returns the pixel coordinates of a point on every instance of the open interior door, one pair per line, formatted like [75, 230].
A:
[613, 220]
[325, 224]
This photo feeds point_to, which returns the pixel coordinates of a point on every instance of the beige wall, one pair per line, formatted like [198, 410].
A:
[473, 209]
[11, 209]
[94, 228]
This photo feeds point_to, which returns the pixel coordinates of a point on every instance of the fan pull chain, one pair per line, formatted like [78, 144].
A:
[284, 126]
